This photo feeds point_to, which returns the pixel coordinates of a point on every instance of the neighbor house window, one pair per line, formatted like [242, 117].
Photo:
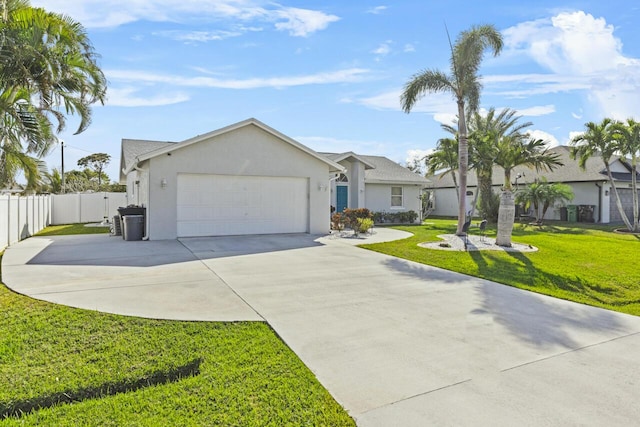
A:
[396, 197]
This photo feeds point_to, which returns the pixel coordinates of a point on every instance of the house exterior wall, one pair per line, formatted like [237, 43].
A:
[585, 193]
[246, 151]
[626, 197]
[378, 197]
[357, 185]
[138, 185]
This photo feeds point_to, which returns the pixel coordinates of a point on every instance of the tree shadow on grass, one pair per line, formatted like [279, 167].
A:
[538, 319]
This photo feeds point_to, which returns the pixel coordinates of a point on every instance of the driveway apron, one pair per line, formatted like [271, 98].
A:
[395, 342]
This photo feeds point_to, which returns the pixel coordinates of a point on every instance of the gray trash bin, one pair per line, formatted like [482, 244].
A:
[133, 227]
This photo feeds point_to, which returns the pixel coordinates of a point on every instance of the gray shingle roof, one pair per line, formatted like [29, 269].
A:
[570, 172]
[387, 170]
[132, 148]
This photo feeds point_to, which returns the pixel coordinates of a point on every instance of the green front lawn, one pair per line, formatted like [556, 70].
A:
[79, 367]
[582, 263]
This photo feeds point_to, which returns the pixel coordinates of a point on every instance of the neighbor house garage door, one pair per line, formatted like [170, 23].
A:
[218, 205]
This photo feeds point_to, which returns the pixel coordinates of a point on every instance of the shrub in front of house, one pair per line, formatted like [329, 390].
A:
[408, 217]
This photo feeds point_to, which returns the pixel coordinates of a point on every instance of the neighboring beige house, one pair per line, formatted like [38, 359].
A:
[248, 178]
[591, 186]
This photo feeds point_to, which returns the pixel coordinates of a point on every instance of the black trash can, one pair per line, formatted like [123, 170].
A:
[133, 227]
[563, 213]
[131, 210]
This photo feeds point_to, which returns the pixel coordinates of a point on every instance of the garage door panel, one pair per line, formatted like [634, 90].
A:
[213, 205]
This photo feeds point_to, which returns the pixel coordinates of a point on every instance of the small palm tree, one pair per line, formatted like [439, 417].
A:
[463, 83]
[598, 138]
[542, 195]
[627, 138]
[518, 150]
[445, 157]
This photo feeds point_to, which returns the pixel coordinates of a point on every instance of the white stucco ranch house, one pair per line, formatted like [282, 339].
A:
[248, 178]
[591, 186]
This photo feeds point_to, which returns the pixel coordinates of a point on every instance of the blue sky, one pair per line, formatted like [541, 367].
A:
[329, 73]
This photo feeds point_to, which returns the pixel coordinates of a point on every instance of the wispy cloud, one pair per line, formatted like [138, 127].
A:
[377, 10]
[409, 48]
[197, 36]
[103, 14]
[349, 75]
[383, 49]
[127, 97]
[540, 110]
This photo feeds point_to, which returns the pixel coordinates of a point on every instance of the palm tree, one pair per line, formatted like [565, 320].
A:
[445, 157]
[598, 139]
[48, 70]
[542, 194]
[463, 83]
[518, 150]
[627, 138]
[485, 134]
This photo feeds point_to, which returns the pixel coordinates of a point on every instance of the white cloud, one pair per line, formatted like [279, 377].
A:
[551, 140]
[377, 10]
[113, 13]
[435, 103]
[446, 118]
[126, 97]
[383, 49]
[302, 22]
[197, 36]
[572, 135]
[409, 48]
[340, 76]
[417, 156]
[540, 110]
[578, 115]
[582, 54]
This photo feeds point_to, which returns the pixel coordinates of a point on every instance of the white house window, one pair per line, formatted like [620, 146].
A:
[342, 178]
[396, 197]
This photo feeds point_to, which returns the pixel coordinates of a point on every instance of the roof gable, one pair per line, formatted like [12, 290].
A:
[132, 149]
[333, 166]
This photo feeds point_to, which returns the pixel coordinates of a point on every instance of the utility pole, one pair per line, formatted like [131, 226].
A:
[62, 152]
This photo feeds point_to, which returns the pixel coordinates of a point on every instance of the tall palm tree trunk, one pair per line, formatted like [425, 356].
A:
[506, 213]
[623, 214]
[463, 166]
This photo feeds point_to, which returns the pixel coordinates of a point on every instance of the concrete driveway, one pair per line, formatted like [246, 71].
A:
[395, 342]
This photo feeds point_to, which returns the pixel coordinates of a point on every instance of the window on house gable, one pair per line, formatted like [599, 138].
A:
[396, 197]
[342, 178]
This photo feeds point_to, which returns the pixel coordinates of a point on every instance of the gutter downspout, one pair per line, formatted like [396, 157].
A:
[146, 216]
[599, 202]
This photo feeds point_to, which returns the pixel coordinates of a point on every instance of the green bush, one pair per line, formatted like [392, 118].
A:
[408, 217]
[364, 224]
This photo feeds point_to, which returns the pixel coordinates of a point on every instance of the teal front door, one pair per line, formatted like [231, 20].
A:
[342, 197]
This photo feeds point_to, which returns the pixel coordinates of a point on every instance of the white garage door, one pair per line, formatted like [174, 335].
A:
[223, 205]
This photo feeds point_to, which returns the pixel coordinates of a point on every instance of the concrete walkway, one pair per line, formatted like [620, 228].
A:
[395, 342]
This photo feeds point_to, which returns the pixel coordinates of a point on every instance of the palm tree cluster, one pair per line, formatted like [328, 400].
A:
[542, 194]
[611, 138]
[481, 141]
[48, 70]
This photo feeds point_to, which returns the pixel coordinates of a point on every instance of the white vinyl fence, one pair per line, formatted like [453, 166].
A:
[22, 216]
[85, 207]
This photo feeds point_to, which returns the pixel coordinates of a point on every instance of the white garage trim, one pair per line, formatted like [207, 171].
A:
[223, 205]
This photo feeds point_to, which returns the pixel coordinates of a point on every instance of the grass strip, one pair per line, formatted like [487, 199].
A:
[69, 229]
[22, 407]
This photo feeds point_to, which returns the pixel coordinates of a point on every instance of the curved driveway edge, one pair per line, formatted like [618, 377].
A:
[395, 342]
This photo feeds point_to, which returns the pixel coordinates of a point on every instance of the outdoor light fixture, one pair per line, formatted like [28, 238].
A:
[163, 182]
